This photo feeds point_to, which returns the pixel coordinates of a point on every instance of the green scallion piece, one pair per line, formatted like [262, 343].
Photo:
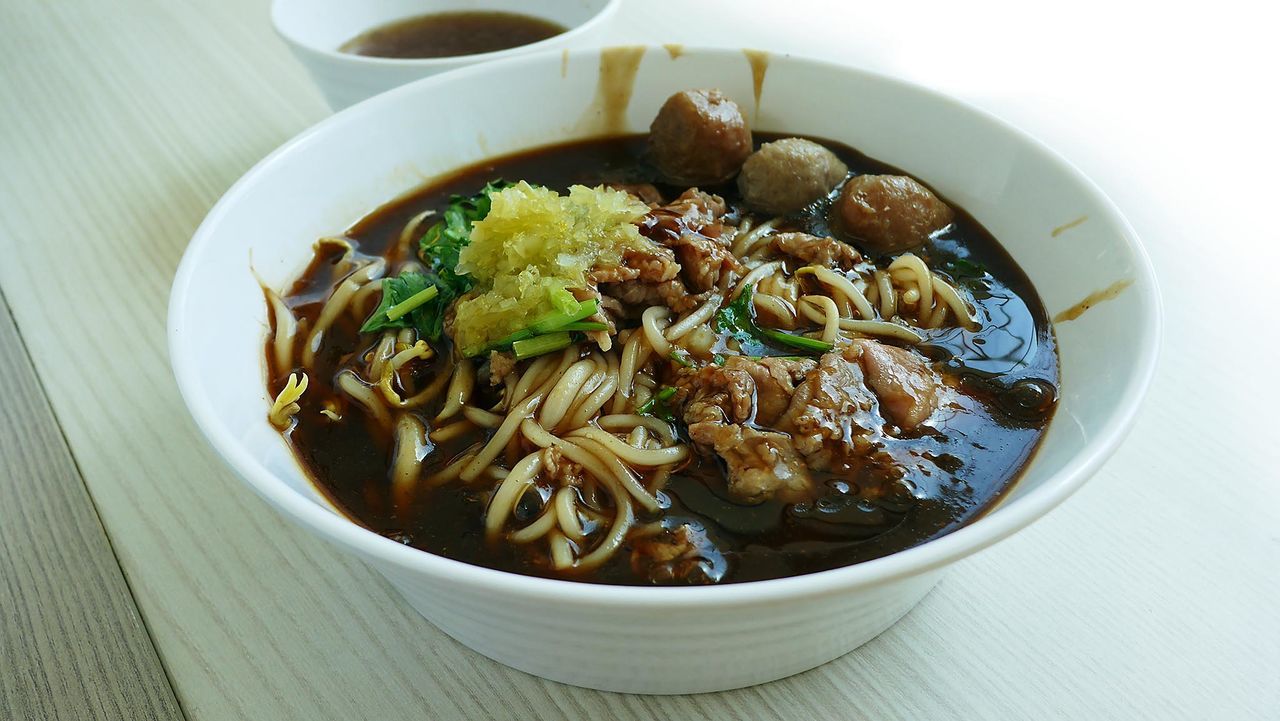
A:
[556, 321]
[657, 404]
[796, 341]
[540, 344]
[408, 305]
[585, 325]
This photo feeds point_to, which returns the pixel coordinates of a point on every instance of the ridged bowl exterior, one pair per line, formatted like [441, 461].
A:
[658, 649]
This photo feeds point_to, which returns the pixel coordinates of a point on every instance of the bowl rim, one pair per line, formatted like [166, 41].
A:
[1002, 521]
[374, 61]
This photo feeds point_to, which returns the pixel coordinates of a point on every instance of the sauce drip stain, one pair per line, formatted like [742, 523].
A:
[675, 50]
[759, 62]
[1093, 299]
[1068, 226]
[607, 113]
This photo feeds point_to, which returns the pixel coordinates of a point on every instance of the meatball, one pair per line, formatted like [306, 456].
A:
[699, 138]
[888, 213]
[786, 175]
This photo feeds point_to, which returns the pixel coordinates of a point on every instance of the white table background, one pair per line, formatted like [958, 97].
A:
[1154, 593]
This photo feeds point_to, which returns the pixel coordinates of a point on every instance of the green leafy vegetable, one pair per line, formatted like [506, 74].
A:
[658, 405]
[738, 321]
[966, 272]
[439, 249]
[440, 246]
[409, 296]
[964, 267]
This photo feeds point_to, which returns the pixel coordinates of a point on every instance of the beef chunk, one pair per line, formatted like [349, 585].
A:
[650, 264]
[637, 296]
[832, 416]
[715, 394]
[647, 276]
[679, 555]
[908, 388]
[888, 213]
[501, 365]
[775, 382]
[705, 262]
[691, 227]
[693, 212]
[814, 250]
[762, 464]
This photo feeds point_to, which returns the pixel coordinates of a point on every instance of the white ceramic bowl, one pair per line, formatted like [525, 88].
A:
[315, 29]
[661, 640]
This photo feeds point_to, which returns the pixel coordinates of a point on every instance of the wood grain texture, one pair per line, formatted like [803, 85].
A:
[1152, 594]
[72, 645]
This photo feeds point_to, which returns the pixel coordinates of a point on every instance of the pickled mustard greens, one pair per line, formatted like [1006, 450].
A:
[529, 253]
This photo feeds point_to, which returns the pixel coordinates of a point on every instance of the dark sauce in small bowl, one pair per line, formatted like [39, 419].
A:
[447, 35]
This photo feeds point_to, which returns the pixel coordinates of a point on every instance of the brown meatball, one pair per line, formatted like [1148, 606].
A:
[699, 138]
[888, 213]
[786, 175]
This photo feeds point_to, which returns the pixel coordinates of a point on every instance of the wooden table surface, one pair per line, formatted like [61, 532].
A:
[140, 580]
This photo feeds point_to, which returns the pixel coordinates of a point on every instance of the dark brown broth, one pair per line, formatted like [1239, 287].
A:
[1005, 370]
[446, 35]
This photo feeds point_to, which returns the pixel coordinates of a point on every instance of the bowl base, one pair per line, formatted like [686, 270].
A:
[682, 654]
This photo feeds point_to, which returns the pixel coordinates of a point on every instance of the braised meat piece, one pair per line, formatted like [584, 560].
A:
[908, 388]
[705, 262]
[719, 400]
[560, 469]
[786, 175]
[888, 213]
[832, 416]
[762, 465]
[501, 365]
[716, 394]
[654, 264]
[650, 264]
[699, 138]
[682, 554]
[814, 250]
[693, 212]
[647, 276]
[740, 391]
[691, 227]
[775, 382]
[637, 296]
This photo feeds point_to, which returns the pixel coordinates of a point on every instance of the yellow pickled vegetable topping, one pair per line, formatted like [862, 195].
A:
[533, 246]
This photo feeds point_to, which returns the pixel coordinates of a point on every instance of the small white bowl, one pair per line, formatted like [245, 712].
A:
[315, 29]
[639, 639]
